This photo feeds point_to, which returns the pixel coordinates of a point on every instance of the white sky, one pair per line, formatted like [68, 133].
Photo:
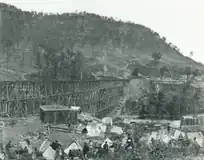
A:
[180, 21]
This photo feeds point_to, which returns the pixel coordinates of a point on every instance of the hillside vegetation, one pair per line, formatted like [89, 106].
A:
[106, 46]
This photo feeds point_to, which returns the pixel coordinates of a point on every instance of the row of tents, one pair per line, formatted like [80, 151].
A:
[97, 129]
[165, 136]
[49, 153]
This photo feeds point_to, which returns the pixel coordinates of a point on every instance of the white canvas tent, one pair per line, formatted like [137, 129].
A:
[166, 138]
[80, 128]
[124, 140]
[95, 129]
[177, 134]
[24, 144]
[102, 127]
[175, 124]
[109, 142]
[198, 136]
[107, 120]
[49, 153]
[117, 130]
[73, 146]
[44, 145]
[2, 156]
[153, 135]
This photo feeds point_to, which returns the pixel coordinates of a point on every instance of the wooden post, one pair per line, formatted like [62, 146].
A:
[51, 89]
[7, 97]
[55, 117]
[26, 108]
[45, 92]
[33, 103]
[1, 29]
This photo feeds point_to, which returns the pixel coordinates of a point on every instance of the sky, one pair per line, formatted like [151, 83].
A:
[180, 21]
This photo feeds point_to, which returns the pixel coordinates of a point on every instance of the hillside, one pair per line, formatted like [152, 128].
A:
[109, 47]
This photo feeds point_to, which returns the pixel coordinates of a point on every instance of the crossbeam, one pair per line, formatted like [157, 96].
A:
[20, 98]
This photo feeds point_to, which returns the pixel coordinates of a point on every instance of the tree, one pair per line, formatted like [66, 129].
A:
[156, 56]
[173, 103]
[164, 39]
[64, 64]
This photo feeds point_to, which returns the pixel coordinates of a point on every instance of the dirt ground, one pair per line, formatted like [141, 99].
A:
[33, 125]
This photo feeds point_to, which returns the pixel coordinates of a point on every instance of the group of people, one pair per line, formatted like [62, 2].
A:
[96, 150]
[99, 151]
[90, 150]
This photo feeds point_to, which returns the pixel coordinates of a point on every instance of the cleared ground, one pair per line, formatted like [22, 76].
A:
[32, 125]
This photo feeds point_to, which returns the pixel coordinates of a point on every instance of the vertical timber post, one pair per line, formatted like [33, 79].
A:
[58, 92]
[1, 30]
[25, 98]
[45, 87]
[7, 98]
[33, 97]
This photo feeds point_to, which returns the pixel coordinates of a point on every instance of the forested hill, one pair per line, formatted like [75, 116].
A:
[107, 45]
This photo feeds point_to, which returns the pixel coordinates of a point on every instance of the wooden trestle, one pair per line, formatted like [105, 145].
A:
[20, 98]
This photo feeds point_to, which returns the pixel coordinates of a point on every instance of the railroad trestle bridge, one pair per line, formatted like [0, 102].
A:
[20, 98]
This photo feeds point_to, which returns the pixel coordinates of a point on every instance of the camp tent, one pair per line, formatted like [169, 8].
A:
[175, 124]
[44, 145]
[117, 130]
[102, 127]
[177, 134]
[24, 144]
[198, 136]
[80, 128]
[107, 120]
[109, 142]
[73, 146]
[2, 156]
[166, 138]
[153, 135]
[124, 140]
[49, 153]
[93, 130]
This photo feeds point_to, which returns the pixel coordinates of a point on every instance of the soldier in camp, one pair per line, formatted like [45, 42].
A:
[129, 143]
[85, 149]
[105, 147]
[71, 155]
[100, 151]
[62, 154]
[196, 146]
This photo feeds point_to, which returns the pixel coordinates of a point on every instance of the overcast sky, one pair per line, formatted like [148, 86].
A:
[180, 21]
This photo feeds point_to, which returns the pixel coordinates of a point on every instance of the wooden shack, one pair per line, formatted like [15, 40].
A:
[57, 114]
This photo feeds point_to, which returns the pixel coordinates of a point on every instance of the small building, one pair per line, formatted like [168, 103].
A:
[192, 123]
[58, 114]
